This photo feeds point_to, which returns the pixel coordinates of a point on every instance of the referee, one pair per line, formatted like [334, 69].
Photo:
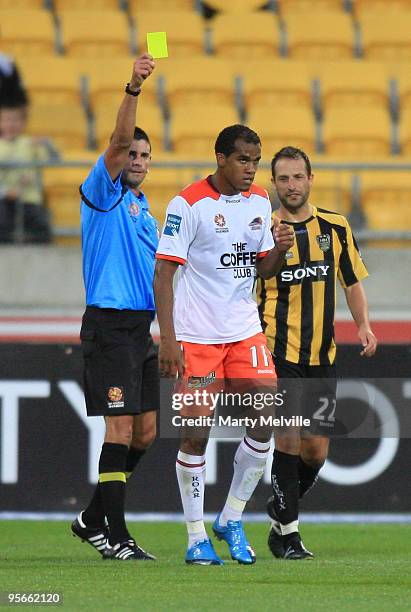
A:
[119, 238]
[297, 309]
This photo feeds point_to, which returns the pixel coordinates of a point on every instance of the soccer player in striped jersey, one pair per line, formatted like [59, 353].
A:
[297, 309]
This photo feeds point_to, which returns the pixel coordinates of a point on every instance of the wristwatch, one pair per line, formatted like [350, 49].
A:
[135, 93]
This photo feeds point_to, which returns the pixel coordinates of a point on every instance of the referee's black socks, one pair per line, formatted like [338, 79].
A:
[285, 481]
[133, 458]
[112, 481]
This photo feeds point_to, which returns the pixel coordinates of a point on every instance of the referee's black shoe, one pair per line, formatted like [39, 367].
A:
[275, 539]
[97, 537]
[295, 549]
[127, 551]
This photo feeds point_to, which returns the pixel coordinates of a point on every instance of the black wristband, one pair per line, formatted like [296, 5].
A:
[131, 92]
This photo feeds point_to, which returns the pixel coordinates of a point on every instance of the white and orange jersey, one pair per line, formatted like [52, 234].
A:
[217, 239]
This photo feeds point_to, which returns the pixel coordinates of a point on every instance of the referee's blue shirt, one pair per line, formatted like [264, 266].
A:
[119, 245]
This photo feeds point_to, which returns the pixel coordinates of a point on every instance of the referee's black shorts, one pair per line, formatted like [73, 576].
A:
[309, 392]
[120, 362]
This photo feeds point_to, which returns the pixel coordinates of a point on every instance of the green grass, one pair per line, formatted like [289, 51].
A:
[357, 567]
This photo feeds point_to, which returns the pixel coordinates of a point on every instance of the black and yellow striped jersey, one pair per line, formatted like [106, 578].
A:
[297, 306]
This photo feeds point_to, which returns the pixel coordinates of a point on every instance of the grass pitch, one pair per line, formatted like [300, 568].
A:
[356, 567]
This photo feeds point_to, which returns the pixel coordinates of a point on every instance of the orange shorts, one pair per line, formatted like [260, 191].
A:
[242, 366]
[249, 358]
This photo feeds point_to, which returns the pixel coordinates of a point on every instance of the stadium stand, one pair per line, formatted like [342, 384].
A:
[52, 80]
[308, 6]
[185, 30]
[65, 124]
[320, 36]
[194, 128]
[27, 34]
[385, 199]
[62, 196]
[283, 82]
[386, 36]
[87, 5]
[239, 6]
[109, 35]
[14, 5]
[364, 7]
[259, 30]
[149, 117]
[357, 132]
[281, 126]
[160, 5]
[207, 80]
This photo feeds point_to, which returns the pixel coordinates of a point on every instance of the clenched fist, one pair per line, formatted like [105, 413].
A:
[283, 235]
[143, 67]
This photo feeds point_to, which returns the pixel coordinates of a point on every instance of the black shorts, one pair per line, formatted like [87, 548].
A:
[310, 392]
[120, 362]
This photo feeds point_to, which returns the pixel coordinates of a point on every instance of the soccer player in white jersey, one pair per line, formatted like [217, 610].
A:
[217, 232]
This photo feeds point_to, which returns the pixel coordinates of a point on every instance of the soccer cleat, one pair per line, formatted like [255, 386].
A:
[127, 551]
[97, 537]
[295, 549]
[234, 535]
[203, 553]
[275, 539]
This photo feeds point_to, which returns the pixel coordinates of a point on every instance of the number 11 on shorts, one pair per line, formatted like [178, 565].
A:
[254, 356]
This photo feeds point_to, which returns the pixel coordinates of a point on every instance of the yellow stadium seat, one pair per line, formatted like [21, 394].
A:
[160, 5]
[386, 199]
[66, 125]
[283, 126]
[246, 36]
[357, 132]
[331, 190]
[161, 185]
[309, 6]
[95, 33]
[27, 33]
[238, 6]
[203, 80]
[185, 31]
[87, 5]
[401, 73]
[148, 118]
[320, 36]
[283, 82]
[63, 199]
[405, 132]
[194, 129]
[14, 5]
[370, 7]
[386, 36]
[51, 80]
[108, 78]
[351, 83]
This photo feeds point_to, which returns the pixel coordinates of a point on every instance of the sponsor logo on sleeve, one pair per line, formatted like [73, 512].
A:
[172, 225]
[256, 224]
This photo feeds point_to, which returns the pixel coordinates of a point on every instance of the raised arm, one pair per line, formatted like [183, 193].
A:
[170, 356]
[116, 155]
[271, 264]
[357, 303]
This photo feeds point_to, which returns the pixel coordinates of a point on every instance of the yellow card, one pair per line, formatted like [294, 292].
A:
[157, 44]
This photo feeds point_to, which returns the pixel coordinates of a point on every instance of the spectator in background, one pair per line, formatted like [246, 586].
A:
[12, 91]
[22, 210]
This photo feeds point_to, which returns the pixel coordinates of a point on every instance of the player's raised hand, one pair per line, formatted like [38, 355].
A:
[283, 235]
[368, 341]
[142, 68]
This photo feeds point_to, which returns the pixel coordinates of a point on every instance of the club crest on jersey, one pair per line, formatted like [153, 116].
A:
[134, 210]
[115, 397]
[220, 223]
[172, 225]
[256, 224]
[324, 241]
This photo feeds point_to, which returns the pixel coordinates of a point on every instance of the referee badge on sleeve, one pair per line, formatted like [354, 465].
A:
[324, 241]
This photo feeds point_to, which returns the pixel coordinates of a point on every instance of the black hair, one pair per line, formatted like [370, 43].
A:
[225, 142]
[140, 134]
[291, 153]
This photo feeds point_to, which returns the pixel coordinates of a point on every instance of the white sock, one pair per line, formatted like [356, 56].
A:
[249, 464]
[191, 475]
